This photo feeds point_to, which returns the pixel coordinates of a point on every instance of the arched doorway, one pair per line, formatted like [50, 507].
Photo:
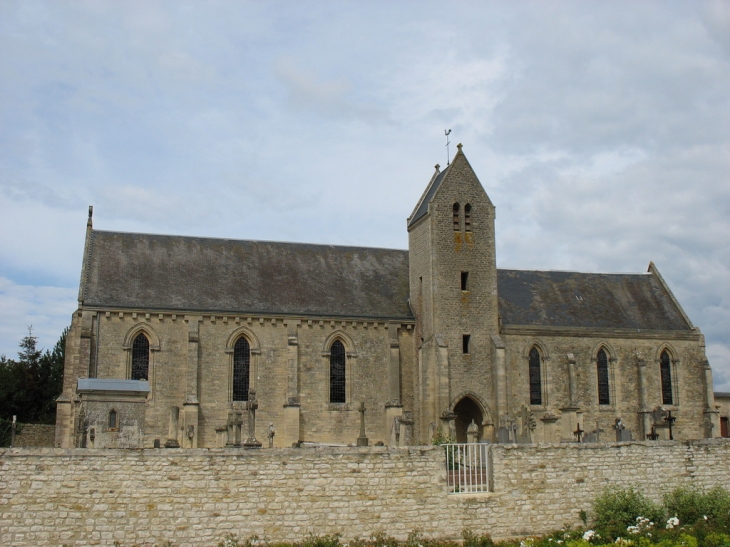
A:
[467, 410]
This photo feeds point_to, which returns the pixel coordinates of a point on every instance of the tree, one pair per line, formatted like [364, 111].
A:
[30, 385]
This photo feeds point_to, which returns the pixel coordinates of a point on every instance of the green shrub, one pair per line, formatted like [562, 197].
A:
[691, 506]
[616, 509]
[473, 540]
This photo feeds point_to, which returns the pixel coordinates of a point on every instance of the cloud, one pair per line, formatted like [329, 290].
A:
[47, 309]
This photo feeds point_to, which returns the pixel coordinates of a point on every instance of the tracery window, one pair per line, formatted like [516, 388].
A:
[467, 217]
[666, 374]
[140, 357]
[604, 395]
[535, 377]
[457, 221]
[241, 369]
[337, 373]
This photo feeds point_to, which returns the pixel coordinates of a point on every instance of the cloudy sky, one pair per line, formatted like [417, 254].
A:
[600, 130]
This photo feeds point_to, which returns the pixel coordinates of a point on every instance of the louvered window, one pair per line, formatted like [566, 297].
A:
[241, 369]
[457, 221]
[467, 217]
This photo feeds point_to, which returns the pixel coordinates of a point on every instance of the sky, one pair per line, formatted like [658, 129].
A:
[600, 130]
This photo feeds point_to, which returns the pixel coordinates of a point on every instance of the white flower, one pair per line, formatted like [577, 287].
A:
[704, 517]
[633, 529]
[672, 522]
[589, 534]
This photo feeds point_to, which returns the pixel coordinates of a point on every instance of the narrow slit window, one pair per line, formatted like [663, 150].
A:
[337, 373]
[241, 369]
[457, 220]
[465, 342]
[604, 397]
[467, 217]
[112, 419]
[140, 358]
[535, 378]
[464, 281]
[666, 373]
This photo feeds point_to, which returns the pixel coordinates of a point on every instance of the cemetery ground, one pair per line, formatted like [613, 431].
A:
[623, 517]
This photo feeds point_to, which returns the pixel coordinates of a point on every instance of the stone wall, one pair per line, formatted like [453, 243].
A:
[195, 497]
[35, 435]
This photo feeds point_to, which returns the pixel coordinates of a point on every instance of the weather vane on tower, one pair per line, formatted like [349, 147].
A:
[447, 132]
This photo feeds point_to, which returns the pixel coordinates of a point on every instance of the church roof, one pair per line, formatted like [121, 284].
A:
[571, 299]
[422, 207]
[162, 272]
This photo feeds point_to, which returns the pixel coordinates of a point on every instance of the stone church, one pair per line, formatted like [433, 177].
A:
[201, 342]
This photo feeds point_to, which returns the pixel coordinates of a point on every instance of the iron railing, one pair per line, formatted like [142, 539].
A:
[467, 467]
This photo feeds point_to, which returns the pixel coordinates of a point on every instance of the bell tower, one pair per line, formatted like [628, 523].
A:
[453, 283]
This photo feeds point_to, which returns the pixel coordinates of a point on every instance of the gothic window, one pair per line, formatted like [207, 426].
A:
[604, 397]
[457, 221]
[241, 369]
[535, 378]
[113, 419]
[467, 217]
[666, 372]
[337, 373]
[140, 357]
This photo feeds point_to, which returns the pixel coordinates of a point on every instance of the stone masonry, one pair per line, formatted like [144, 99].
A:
[195, 497]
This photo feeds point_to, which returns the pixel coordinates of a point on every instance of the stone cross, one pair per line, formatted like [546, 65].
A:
[270, 434]
[653, 436]
[578, 432]
[172, 441]
[252, 405]
[362, 440]
[234, 428]
[598, 432]
[619, 427]
[670, 420]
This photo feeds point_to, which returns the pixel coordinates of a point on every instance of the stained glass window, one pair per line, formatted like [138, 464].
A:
[337, 372]
[241, 369]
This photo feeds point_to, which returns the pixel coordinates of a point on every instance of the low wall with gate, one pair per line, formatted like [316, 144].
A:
[196, 497]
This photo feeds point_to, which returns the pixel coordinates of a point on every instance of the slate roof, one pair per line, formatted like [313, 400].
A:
[570, 299]
[161, 272]
[107, 384]
[194, 274]
[423, 204]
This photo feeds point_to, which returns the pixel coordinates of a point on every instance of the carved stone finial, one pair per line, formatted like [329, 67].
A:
[459, 146]
[91, 213]
[437, 166]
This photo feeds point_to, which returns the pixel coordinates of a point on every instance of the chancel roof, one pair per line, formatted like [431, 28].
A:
[571, 299]
[145, 271]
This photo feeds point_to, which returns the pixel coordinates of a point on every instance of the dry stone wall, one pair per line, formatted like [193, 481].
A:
[195, 497]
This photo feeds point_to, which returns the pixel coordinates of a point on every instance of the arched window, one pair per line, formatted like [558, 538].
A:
[113, 424]
[457, 221]
[337, 373]
[467, 217]
[665, 367]
[241, 369]
[535, 378]
[604, 396]
[140, 357]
